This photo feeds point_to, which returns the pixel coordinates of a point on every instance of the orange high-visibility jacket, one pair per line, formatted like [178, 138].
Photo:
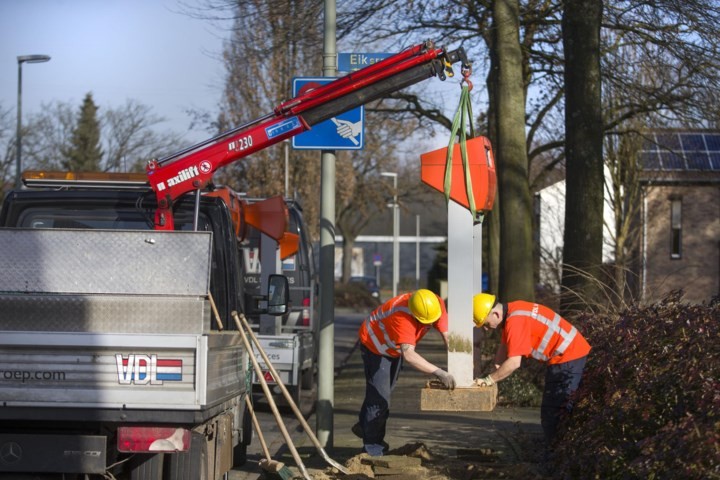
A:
[392, 324]
[534, 330]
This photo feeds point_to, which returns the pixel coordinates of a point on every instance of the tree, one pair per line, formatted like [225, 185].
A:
[582, 251]
[516, 272]
[128, 136]
[366, 192]
[510, 239]
[270, 43]
[84, 153]
[130, 139]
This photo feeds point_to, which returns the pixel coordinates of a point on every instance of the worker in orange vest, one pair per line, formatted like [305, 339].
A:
[533, 330]
[387, 339]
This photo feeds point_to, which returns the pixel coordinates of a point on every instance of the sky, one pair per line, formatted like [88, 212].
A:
[142, 50]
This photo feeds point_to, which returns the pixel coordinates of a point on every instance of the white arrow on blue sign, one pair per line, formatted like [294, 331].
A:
[342, 132]
[349, 62]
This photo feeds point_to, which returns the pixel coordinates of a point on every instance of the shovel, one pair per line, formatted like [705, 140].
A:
[288, 397]
[273, 406]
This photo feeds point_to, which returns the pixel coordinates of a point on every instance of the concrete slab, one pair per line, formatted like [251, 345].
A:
[462, 399]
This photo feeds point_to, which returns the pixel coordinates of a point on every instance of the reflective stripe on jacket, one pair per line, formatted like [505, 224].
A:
[552, 338]
[380, 332]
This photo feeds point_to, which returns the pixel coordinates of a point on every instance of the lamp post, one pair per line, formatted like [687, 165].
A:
[18, 146]
[396, 233]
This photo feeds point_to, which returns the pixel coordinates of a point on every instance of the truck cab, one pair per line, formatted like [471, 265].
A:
[290, 340]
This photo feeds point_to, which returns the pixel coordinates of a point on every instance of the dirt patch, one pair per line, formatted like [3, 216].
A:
[469, 464]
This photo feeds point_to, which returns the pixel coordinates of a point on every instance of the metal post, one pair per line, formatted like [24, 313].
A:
[396, 233]
[18, 137]
[286, 144]
[18, 143]
[326, 361]
[396, 240]
[417, 251]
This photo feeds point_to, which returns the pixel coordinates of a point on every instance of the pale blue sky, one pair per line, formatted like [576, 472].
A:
[145, 50]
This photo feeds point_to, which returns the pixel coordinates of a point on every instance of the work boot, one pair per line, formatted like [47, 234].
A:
[358, 431]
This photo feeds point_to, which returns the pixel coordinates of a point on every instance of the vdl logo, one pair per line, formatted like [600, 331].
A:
[147, 369]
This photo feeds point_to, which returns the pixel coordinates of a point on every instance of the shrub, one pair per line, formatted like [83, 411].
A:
[355, 295]
[649, 404]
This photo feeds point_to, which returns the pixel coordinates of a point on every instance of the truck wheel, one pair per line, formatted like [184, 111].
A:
[239, 455]
[308, 378]
[147, 466]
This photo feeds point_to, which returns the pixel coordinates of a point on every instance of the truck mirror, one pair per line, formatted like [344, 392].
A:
[278, 294]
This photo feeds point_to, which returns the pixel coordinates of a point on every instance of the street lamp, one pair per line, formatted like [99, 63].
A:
[18, 145]
[396, 233]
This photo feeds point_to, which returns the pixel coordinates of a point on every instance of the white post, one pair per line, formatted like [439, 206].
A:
[461, 281]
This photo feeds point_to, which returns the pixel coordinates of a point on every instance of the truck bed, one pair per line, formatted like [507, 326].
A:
[112, 320]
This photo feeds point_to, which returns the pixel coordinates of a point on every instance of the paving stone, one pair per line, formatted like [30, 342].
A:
[393, 461]
[462, 399]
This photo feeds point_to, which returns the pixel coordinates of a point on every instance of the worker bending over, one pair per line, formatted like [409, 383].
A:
[533, 330]
[387, 338]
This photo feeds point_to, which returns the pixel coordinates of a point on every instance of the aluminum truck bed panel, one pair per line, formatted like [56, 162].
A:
[119, 371]
[77, 261]
[103, 313]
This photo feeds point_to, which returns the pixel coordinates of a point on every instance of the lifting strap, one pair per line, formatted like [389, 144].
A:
[463, 116]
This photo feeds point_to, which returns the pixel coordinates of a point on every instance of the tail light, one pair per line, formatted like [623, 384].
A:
[153, 439]
[305, 319]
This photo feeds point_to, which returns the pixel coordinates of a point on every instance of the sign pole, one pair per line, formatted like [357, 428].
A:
[326, 360]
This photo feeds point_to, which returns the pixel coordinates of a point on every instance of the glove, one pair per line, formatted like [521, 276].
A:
[446, 379]
[485, 381]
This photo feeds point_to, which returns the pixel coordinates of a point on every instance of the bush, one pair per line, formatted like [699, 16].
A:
[355, 295]
[521, 389]
[649, 404]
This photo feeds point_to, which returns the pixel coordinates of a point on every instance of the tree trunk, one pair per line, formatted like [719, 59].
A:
[516, 262]
[583, 237]
[493, 218]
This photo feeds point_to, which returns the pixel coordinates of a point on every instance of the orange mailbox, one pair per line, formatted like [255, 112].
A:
[482, 173]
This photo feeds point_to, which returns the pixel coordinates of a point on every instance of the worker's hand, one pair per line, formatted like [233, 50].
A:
[446, 379]
[485, 381]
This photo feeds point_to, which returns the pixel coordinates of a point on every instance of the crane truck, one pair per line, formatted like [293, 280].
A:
[117, 354]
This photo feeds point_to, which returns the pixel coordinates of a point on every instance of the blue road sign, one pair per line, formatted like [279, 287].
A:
[342, 132]
[349, 62]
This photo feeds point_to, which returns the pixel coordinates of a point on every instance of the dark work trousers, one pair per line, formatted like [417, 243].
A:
[381, 374]
[561, 381]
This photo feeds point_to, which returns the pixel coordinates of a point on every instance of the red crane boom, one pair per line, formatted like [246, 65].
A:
[193, 168]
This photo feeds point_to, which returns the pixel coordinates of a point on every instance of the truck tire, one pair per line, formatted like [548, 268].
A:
[145, 466]
[308, 378]
[240, 450]
[190, 465]
[239, 455]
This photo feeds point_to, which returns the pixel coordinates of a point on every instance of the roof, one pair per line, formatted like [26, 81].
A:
[668, 150]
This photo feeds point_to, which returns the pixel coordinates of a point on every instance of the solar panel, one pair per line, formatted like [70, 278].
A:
[715, 160]
[713, 142]
[681, 151]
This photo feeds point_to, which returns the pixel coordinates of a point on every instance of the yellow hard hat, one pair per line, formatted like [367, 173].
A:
[425, 306]
[482, 304]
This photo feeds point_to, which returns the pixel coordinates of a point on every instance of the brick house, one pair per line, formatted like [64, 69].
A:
[680, 215]
[678, 220]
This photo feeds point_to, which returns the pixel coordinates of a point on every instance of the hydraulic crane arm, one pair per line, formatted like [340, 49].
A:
[192, 168]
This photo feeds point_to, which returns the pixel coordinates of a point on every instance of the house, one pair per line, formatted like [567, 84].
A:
[678, 220]
[549, 204]
[680, 214]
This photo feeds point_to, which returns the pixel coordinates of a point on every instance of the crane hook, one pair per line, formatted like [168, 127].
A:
[466, 71]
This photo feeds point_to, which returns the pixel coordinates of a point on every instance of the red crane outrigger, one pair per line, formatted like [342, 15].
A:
[192, 169]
